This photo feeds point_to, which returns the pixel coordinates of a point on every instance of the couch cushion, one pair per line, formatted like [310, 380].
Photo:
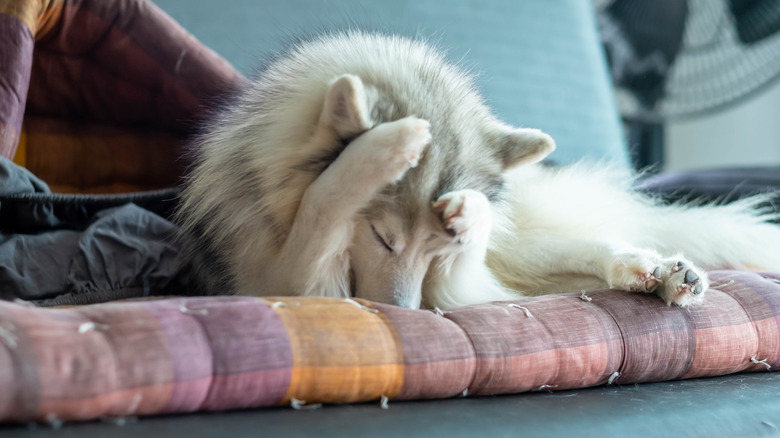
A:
[539, 63]
[722, 185]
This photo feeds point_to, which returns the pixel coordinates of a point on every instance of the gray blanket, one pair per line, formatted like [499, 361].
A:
[78, 249]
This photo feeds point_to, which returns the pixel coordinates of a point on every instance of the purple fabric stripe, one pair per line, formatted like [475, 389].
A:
[190, 356]
[240, 340]
[438, 356]
[16, 49]
[427, 337]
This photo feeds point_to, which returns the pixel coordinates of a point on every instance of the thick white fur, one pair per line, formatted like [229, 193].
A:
[572, 227]
[279, 230]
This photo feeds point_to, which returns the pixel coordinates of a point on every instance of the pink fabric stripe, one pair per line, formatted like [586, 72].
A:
[542, 341]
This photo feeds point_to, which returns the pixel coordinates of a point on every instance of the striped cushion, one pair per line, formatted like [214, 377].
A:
[217, 353]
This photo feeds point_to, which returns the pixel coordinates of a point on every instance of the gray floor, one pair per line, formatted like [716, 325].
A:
[737, 405]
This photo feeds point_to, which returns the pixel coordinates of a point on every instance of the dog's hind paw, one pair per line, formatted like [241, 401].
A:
[684, 284]
[675, 280]
[635, 272]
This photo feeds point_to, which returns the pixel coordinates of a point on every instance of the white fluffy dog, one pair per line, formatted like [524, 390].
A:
[365, 165]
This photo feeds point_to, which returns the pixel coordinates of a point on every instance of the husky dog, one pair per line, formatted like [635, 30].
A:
[365, 165]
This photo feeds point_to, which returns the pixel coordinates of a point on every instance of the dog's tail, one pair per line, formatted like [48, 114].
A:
[742, 234]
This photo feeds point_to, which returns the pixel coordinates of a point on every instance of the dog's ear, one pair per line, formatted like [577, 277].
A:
[346, 107]
[516, 146]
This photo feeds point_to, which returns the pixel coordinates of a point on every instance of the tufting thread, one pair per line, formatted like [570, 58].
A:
[90, 326]
[524, 309]
[301, 405]
[718, 286]
[24, 303]
[54, 422]
[360, 306]
[762, 362]
[188, 311]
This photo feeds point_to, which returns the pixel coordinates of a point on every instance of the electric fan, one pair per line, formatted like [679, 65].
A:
[675, 59]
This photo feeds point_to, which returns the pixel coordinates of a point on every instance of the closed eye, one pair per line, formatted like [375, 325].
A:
[381, 239]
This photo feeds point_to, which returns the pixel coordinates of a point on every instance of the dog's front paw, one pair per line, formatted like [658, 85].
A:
[465, 215]
[675, 280]
[414, 135]
[400, 144]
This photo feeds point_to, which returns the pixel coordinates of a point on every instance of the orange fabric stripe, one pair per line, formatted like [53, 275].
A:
[35, 14]
[344, 384]
[8, 137]
[341, 352]
[20, 156]
[102, 163]
[49, 19]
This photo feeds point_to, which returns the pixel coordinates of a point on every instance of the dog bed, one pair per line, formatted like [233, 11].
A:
[217, 353]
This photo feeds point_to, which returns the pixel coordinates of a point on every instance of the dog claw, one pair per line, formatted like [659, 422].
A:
[651, 284]
[462, 214]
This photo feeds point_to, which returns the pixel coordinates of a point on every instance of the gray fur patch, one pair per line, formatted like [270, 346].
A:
[205, 272]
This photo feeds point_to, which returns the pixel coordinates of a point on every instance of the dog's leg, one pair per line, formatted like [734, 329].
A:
[674, 279]
[314, 260]
[560, 264]
[462, 278]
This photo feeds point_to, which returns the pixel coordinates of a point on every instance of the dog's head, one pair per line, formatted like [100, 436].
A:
[400, 238]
